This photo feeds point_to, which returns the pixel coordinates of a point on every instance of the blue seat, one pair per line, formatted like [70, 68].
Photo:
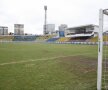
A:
[24, 38]
[52, 39]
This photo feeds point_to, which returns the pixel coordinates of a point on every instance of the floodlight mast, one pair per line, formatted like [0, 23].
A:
[100, 47]
[45, 8]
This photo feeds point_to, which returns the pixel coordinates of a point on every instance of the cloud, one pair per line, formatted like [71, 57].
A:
[31, 13]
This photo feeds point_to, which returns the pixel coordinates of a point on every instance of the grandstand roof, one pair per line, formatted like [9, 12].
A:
[83, 26]
[106, 32]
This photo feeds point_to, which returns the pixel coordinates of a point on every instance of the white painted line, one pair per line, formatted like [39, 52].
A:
[10, 63]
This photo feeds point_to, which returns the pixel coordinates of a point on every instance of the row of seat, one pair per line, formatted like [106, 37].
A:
[52, 39]
[6, 38]
[24, 38]
[49, 38]
[63, 39]
[95, 39]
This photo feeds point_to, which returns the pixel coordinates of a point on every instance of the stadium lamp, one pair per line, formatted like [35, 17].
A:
[105, 11]
[45, 7]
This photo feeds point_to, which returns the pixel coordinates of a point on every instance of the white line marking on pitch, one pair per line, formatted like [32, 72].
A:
[2, 64]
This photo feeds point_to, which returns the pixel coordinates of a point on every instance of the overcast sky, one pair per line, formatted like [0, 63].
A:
[31, 13]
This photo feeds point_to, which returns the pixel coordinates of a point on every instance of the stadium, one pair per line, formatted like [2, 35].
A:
[80, 34]
[49, 62]
[71, 58]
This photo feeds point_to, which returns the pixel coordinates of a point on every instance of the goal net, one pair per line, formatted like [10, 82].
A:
[105, 53]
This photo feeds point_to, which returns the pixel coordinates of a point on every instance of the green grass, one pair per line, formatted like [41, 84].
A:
[73, 69]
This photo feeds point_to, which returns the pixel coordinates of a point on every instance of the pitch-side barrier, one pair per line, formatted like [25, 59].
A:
[80, 43]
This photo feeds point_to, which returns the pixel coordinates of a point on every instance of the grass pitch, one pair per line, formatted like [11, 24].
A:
[34, 66]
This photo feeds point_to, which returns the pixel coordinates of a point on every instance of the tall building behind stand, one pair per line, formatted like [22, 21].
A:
[3, 30]
[18, 29]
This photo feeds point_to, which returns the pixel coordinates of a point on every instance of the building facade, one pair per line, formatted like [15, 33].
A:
[3, 30]
[50, 29]
[18, 29]
[63, 27]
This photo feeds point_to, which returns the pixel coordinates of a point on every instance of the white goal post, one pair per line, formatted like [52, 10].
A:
[100, 47]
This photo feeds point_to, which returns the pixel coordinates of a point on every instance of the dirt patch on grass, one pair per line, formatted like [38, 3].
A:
[81, 64]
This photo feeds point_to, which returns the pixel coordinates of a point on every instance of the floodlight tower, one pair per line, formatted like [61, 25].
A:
[45, 22]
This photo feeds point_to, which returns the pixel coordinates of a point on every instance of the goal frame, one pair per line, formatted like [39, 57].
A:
[100, 47]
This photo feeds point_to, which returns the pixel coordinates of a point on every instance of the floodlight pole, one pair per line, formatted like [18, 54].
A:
[100, 50]
[45, 8]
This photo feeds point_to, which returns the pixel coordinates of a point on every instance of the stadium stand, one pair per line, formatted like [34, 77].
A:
[52, 39]
[40, 39]
[95, 39]
[6, 38]
[105, 38]
[24, 38]
[78, 39]
[64, 39]
[43, 38]
[92, 39]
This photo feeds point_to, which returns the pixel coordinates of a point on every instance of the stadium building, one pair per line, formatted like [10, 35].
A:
[62, 29]
[3, 30]
[82, 31]
[18, 29]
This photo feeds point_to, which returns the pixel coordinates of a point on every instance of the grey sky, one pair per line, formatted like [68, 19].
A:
[31, 13]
